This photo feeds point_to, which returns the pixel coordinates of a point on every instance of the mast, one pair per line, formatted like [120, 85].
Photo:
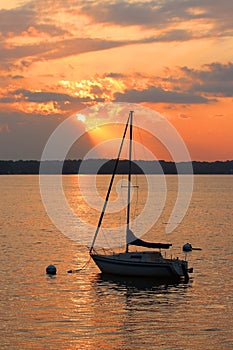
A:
[129, 175]
[110, 185]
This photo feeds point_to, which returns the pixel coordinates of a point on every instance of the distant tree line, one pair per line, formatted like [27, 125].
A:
[104, 166]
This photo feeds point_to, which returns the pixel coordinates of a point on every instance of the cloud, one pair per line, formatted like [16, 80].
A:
[62, 48]
[24, 135]
[124, 13]
[173, 35]
[215, 71]
[153, 14]
[42, 96]
[60, 101]
[16, 77]
[51, 39]
[116, 75]
[26, 18]
[36, 18]
[213, 79]
[184, 116]
[28, 53]
[7, 99]
[16, 20]
[158, 95]
[218, 89]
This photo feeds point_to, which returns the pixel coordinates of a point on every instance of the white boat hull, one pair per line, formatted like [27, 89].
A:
[143, 264]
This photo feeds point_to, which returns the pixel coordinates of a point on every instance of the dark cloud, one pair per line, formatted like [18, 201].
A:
[121, 12]
[156, 14]
[215, 71]
[7, 99]
[16, 20]
[65, 48]
[63, 102]
[16, 77]
[217, 89]
[115, 75]
[26, 18]
[174, 35]
[77, 46]
[214, 79]
[158, 95]
[42, 97]
[27, 54]
[62, 48]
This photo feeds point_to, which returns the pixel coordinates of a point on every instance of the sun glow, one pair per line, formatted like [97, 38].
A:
[81, 118]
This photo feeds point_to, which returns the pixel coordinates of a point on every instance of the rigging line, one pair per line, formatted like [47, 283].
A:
[144, 157]
[136, 204]
[129, 176]
[81, 268]
[122, 202]
[135, 177]
[110, 186]
[106, 239]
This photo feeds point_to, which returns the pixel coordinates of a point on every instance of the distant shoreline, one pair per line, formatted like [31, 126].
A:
[105, 166]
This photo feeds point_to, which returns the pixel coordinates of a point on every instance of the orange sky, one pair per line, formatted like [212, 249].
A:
[173, 56]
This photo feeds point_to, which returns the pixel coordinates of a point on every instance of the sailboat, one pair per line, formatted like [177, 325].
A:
[149, 263]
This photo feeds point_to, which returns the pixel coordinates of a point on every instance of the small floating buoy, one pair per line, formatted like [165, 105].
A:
[187, 247]
[51, 270]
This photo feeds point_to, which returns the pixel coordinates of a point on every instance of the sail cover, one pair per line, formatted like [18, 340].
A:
[133, 240]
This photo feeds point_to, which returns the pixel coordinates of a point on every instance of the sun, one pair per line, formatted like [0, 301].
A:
[81, 118]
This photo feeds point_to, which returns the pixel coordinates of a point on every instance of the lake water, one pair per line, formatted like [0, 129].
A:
[85, 310]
